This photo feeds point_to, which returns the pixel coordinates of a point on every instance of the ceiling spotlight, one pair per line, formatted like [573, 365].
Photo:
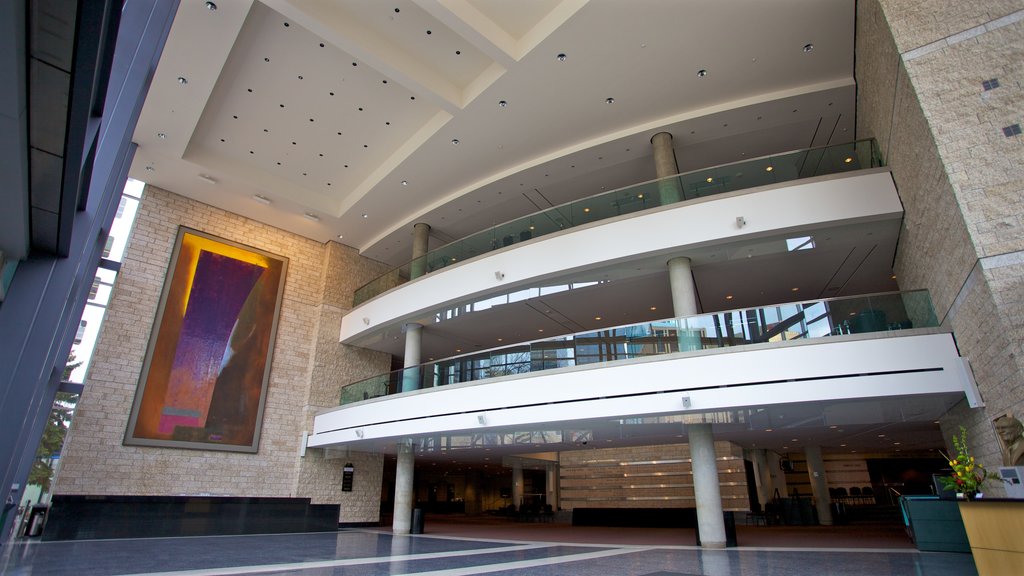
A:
[561, 57]
[311, 216]
[262, 199]
[366, 215]
[211, 6]
[405, 182]
[207, 179]
[710, 180]
[848, 159]
[455, 141]
[728, 296]
[808, 47]
[769, 169]
[502, 103]
[794, 289]
[702, 73]
[341, 236]
[161, 135]
[150, 169]
[182, 80]
[609, 100]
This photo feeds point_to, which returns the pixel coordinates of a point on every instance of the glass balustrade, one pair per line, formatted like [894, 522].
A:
[777, 323]
[689, 186]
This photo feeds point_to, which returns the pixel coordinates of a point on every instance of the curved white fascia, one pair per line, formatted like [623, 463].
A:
[829, 370]
[866, 196]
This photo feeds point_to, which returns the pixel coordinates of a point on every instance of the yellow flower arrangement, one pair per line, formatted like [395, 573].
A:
[968, 475]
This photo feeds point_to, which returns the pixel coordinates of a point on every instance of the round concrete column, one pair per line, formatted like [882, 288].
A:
[402, 519]
[551, 486]
[420, 243]
[669, 189]
[819, 484]
[411, 374]
[684, 301]
[710, 520]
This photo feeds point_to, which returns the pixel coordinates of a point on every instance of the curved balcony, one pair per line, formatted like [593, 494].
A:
[849, 361]
[778, 323]
[742, 175]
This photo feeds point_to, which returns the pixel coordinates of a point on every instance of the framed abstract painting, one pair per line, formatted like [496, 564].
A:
[204, 379]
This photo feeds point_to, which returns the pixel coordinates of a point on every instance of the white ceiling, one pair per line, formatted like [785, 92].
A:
[326, 108]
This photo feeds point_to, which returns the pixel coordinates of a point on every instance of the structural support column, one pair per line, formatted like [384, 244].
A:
[551, 486]
[710, 520]
[764, 477]
[401, 521]
[420, 243]
[819, 484]
[669, 189]
[411, 372]
[684, 301]
[517, 484]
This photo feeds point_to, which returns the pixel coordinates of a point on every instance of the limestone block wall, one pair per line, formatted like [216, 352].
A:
[333, 365]
[94, 459]
[920, 73]
[646, 477]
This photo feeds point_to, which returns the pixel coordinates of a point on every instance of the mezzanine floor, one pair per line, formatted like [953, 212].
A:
[456, 547]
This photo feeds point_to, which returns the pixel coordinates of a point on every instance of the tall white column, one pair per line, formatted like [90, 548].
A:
[402, 518]
[710, 520]
[420, 244]
[551, 486]
[684, 301]
[411, 374]
[669, 189]
[764, 477]
[819, 484]
[517, 485]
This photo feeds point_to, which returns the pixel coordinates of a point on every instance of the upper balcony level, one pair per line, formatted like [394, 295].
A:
[826, 235]
[837, 368]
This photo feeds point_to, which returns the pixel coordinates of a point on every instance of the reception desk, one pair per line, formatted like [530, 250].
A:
[995, 529]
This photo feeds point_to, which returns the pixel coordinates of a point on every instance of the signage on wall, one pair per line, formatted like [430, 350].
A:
[346, 477]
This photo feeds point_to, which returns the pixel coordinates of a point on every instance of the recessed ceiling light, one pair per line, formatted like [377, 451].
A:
[262, 199]
[710, 179]
[597, 317]
[405, 182]
[702, 73]
[640, 196]
[311, 216]
[586, 209]
[769, 169]
[848, 159]
[653, 308]
[561, 57]
[161, 136]
[211, 6]
[366, 215]
[794, 289]
[540, 329]
[182, 80]
[455, 141]
[808, 47]
[502, 103]
[609, 100]
[728, 296]
[341, 236]
[767, 429]
[150, 169]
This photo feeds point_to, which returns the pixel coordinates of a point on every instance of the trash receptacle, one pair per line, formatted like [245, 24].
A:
[729, 519]
[36, 519]
[417, 521]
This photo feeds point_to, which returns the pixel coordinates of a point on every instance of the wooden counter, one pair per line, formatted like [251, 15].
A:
[995, 528]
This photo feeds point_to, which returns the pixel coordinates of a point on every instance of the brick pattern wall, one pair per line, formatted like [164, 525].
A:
[335, 364]
[626, 477]
[96, 462]
[920, 68]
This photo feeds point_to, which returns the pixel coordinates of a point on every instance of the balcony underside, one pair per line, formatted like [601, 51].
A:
[754, 395]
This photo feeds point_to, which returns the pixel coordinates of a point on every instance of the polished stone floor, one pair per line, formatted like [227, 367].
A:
[372, 553]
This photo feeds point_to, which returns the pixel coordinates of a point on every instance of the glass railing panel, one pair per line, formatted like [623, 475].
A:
[697, 184]
[778, 323]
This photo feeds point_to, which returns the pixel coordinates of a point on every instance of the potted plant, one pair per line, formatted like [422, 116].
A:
[968, 476]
